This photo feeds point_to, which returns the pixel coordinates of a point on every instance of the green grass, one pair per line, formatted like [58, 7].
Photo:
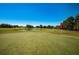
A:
[10, 30]
[39, 42]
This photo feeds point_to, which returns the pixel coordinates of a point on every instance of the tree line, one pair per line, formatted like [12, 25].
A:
[27, 26]
[71, 23]
[8, 26]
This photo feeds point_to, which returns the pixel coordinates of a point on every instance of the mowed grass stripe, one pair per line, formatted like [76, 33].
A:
[38, 43]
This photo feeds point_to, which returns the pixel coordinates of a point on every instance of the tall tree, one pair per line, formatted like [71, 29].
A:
[68, 23]
[77, 22]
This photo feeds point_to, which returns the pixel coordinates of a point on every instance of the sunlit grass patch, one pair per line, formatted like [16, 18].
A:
[40, 41]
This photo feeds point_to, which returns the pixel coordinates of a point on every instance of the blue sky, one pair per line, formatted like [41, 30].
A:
[36, 13]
